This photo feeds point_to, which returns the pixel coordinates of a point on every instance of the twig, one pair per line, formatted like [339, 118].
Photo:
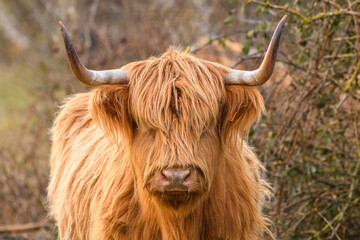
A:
[256, 55]
[328, 224]
[332, 3]
[305, 19]
[284, 8]
[348, 38]
[332, 14]
[23, 227]
[216, 38]
[348, 55]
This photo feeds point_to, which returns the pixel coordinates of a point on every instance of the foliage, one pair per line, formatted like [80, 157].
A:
[309, 138]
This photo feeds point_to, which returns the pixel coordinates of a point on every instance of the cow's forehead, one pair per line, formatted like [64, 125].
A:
[176, 88]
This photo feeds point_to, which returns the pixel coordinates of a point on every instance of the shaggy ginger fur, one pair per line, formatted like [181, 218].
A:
[175, 111]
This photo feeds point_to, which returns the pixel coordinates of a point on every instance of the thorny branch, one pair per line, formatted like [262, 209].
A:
[303, 18]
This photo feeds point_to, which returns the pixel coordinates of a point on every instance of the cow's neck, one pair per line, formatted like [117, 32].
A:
[184, 226]
[171, 225]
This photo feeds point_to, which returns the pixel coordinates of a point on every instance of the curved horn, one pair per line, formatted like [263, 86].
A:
[263, 73]
[86, 76]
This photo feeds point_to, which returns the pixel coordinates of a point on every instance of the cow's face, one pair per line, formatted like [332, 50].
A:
[175, 103]
[175, 173]
[175, 117]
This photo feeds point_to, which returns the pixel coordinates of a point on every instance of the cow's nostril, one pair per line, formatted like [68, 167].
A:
[176, 175]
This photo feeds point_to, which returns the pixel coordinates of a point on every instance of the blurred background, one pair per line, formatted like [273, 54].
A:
[308, 140]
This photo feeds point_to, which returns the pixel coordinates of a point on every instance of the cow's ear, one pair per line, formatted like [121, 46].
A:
[242, 106]
[109, 109]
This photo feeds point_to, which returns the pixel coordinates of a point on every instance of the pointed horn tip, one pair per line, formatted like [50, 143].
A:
[279, 28]
[63, 28]
[61, 24]
[283, 20]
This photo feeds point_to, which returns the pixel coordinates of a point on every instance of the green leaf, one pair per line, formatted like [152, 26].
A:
[303, 43]
[300, 58]
[259, 9]
[229, 19]
[259, 47]
[247, 44]
[246, 49]
[250, 34]
[258, 28]
[266, 10]
[222, 43]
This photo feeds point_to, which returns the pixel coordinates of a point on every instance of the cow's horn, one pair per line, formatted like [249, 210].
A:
[90, 77]
[263, 73]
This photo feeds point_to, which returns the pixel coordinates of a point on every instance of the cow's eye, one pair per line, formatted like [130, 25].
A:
[135, 127]
[152, 132]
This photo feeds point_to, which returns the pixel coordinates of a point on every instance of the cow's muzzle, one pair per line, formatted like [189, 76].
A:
[177, 179]
[177, 186]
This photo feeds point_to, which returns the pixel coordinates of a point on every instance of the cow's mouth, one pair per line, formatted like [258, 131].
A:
[176, 199]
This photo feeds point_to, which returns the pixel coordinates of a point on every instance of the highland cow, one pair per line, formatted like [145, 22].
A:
[156, 151]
